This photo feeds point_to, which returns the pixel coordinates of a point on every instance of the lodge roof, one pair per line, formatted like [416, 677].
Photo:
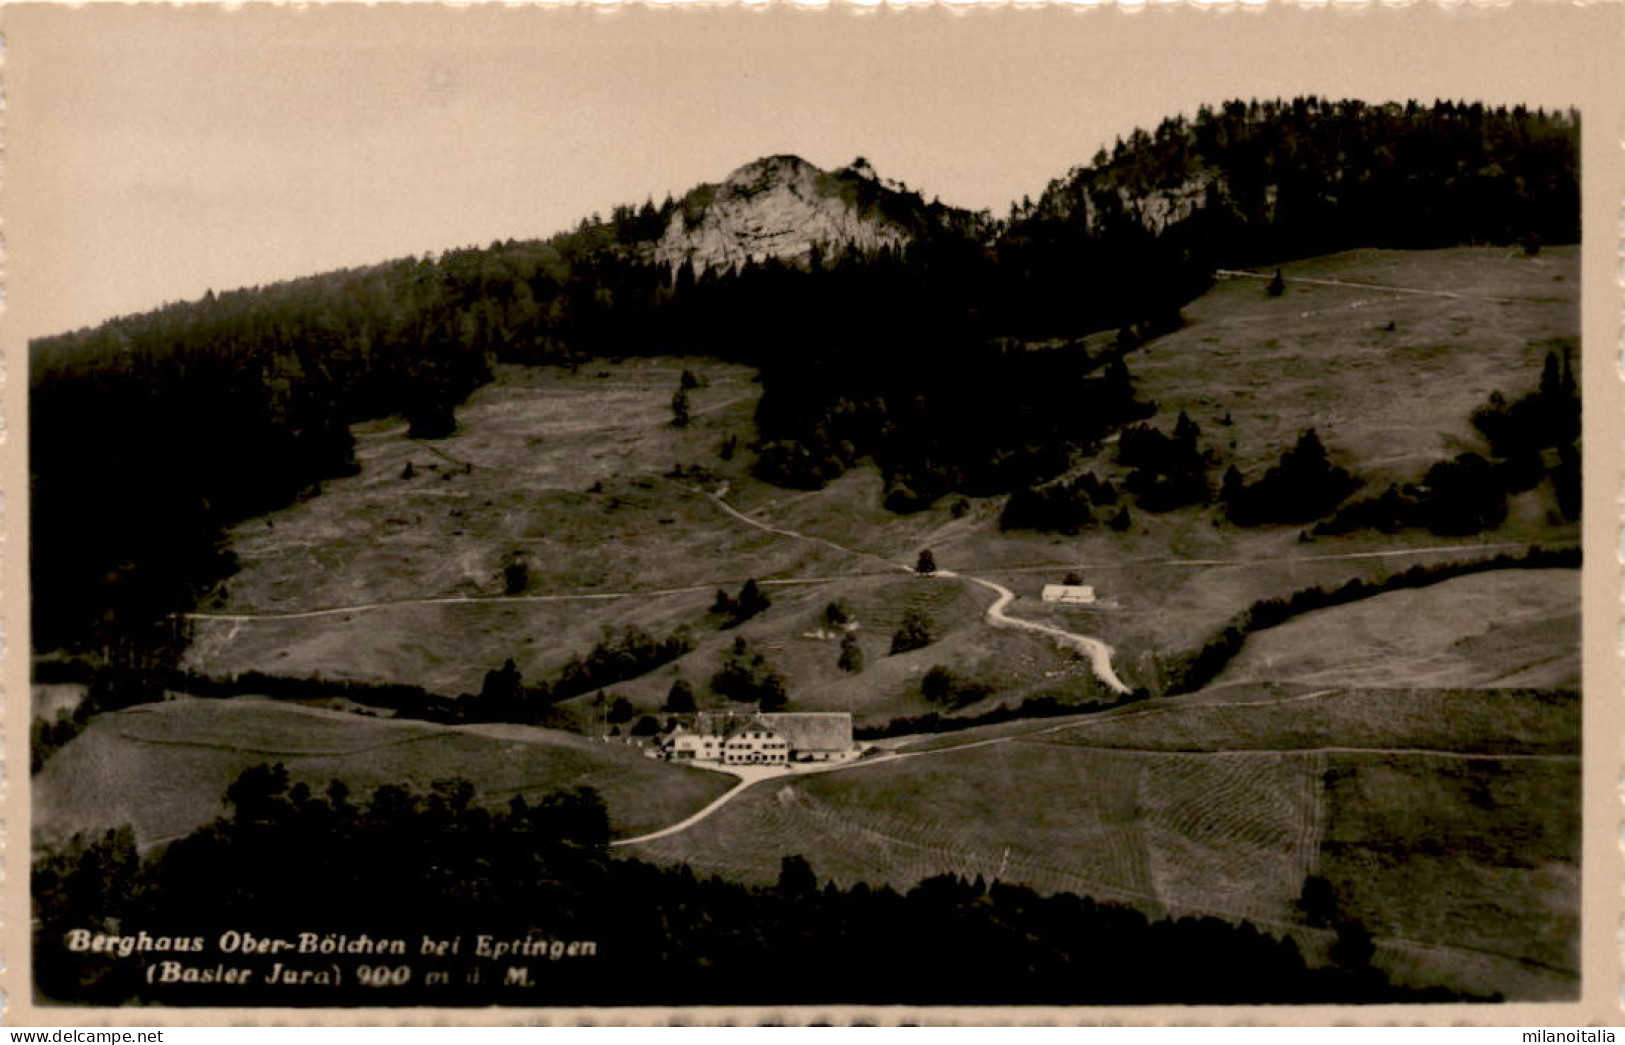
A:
[802, 730]
[812, 730]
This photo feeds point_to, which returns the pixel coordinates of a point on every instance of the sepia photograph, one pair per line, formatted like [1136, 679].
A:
[562, 508]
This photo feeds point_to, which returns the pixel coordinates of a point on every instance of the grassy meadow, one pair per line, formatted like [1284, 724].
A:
[1223, 804]
[163, 768]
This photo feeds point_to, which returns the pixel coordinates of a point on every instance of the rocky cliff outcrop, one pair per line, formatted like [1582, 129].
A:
[783, 207]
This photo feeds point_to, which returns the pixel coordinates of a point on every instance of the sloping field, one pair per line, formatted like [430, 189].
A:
[562, 470]
[1508, 721]
[1483, 855]
[1114, 825]
[1386, 402]
[163, 767]
[1506, 628]
[789, 635]
[546, 462]
[444, 647]
[1387, 377]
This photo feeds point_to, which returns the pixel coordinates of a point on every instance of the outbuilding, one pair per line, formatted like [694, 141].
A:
[1070, 594]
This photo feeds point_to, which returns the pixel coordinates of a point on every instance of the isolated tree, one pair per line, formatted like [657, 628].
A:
[937, 685]
[1318, 901]
[504, 681]
[752, 600]
[646, 726]
[515, 575]
[408, 472]
[679, 408]
[1354, 947]
[729, 444]
[1276, 286]
[253, 795]
[1231, 487]
[688, 381]
[724, 605]
[1072, 580]
[1121, 521]
[1465, 496]
[772, 696]
[1566, 481]
[926, 563]
[836, 615]
[796, 878]
[680, 698]
[621, 710]
[913, 634]
[851, 659]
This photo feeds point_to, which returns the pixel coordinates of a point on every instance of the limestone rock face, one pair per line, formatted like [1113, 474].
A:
[1156, 207]
[780, 207]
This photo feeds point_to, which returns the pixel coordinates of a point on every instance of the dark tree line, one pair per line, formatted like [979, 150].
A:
[1303, 486]
[407, 863]
[1252, 183]
[1069, 506]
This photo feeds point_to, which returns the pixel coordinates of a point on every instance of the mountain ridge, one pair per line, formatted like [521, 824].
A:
[783, 208]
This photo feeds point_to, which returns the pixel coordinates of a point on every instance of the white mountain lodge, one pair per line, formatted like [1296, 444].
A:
[762, 738]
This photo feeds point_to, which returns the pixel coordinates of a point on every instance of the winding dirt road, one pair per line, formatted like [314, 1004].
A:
[1098, 652]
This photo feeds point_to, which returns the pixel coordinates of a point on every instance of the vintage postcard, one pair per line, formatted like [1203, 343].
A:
[1022, 514]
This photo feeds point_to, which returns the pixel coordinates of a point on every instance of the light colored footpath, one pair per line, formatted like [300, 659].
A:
[1355, 285]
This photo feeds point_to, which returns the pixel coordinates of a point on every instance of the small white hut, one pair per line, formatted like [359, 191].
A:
[1070, 594]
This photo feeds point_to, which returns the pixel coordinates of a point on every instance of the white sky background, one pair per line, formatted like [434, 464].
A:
[154, 152]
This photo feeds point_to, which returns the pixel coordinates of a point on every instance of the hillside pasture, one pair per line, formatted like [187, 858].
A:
[1505, 628]
[1254, 372]
[1224, 803]
[546, 463]
[1483, 855]
[163, 768]
[1507, 721]
[790, 636]
[1114, 825]
[1155, 611]
[563, 470]
[445, 648]
[1388, 377]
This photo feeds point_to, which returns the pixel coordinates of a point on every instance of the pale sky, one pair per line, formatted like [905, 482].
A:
[156, 152]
